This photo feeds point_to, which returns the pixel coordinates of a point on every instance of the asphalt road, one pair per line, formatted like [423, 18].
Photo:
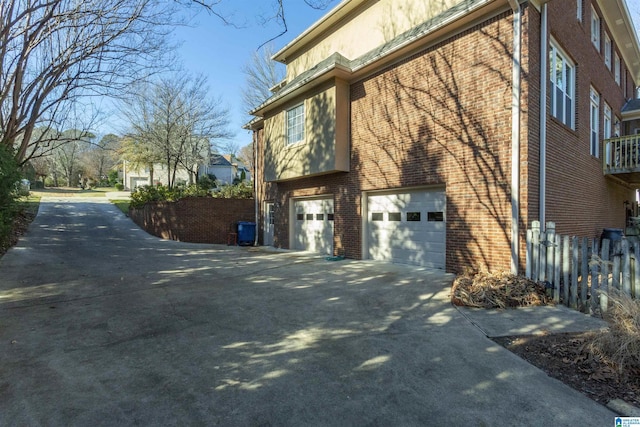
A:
[102, 324]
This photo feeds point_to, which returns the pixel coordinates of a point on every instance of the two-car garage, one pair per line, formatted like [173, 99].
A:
[404, 226]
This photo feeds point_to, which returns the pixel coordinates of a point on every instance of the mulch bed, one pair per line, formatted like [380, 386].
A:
[564, 357]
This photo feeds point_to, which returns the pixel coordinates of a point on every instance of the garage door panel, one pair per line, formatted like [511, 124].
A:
[414, 239]
[313, 228]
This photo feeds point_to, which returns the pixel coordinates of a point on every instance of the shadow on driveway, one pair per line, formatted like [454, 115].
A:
[102, 324]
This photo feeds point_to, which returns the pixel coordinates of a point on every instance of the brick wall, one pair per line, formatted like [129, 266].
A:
[194, 219]
[580, 199]
[442, 117]
[439, 118]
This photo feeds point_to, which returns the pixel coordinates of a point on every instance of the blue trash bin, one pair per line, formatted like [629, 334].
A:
[246, 233]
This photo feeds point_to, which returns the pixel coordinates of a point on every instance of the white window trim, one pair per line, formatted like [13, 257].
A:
[579, 10]
[288, 127]
[568, 91]
[607, 50]
[607, 122]
[616, 67]
[594, 119]
[596, 24]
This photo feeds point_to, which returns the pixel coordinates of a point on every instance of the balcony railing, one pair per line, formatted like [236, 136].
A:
[622, 157]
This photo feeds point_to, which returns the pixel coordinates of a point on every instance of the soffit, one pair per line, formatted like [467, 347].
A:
[618, 19]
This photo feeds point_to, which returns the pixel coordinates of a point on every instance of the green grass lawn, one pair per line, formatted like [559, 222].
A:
[123, 205]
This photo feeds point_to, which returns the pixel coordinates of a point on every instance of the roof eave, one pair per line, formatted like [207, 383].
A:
[618, 19]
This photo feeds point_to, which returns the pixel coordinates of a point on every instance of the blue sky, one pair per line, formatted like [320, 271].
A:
[220, 51]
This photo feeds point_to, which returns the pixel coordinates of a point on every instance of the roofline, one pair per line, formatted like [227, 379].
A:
[623, 29]
[321, 25]
[336, 66]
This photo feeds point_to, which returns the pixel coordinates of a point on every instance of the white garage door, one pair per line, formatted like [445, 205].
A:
[313, 225]
[407, 227]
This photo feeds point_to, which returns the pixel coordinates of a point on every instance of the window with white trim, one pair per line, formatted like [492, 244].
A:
[616, 67]
[562, 76]
[595, 28]
[579, 10]
[595, 115]
[295, 124]
[606, 124]
[607, 51]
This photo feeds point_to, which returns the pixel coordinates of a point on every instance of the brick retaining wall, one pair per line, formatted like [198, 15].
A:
[194, 219]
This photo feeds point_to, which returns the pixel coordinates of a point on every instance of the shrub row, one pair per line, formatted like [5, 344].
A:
[160, 193]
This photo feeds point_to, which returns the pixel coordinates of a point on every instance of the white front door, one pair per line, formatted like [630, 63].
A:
[268, 223]
[313, 225]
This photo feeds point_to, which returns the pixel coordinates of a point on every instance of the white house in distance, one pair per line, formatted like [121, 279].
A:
[226, 168]
[133, 178]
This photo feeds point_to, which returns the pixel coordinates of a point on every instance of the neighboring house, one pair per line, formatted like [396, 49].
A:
[415, 132]
[226, 169]
[220, 167]
[133, 178]
[239, 167]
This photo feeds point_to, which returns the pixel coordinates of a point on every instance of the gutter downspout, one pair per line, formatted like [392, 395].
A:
[255, 188]
[515, 134]
[543, 115]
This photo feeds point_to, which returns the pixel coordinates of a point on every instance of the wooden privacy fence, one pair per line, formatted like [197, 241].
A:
[578, 270]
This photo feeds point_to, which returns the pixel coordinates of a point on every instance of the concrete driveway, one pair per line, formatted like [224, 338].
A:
[101, 324]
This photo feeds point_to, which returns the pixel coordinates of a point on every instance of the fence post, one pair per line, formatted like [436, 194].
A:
[543, 257]
[528, 256]
[556, 275]
[626, 267]
[551, 237]
[615, 271]
[584, 275]
[565, 270]
[574, 272]
[604, 283]
[594, 275]
[536, 249]
[636, 276]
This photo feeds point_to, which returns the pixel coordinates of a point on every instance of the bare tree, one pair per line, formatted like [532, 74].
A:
[246, 157]
[101, 157]
[66, 158]
[54, 53]
[261, 75]
[178, 121]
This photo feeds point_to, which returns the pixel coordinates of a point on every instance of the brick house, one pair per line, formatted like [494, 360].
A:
[414, 132]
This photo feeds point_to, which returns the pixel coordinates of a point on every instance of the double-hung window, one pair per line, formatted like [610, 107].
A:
[562, 76]
[607, 50]
[616, 67]
[295, 124]
[594, 97]
[595, 28]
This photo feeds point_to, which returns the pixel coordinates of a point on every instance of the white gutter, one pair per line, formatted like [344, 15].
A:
[515, 135]
[543, 115]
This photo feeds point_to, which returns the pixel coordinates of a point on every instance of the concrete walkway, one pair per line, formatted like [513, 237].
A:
[101, 324]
